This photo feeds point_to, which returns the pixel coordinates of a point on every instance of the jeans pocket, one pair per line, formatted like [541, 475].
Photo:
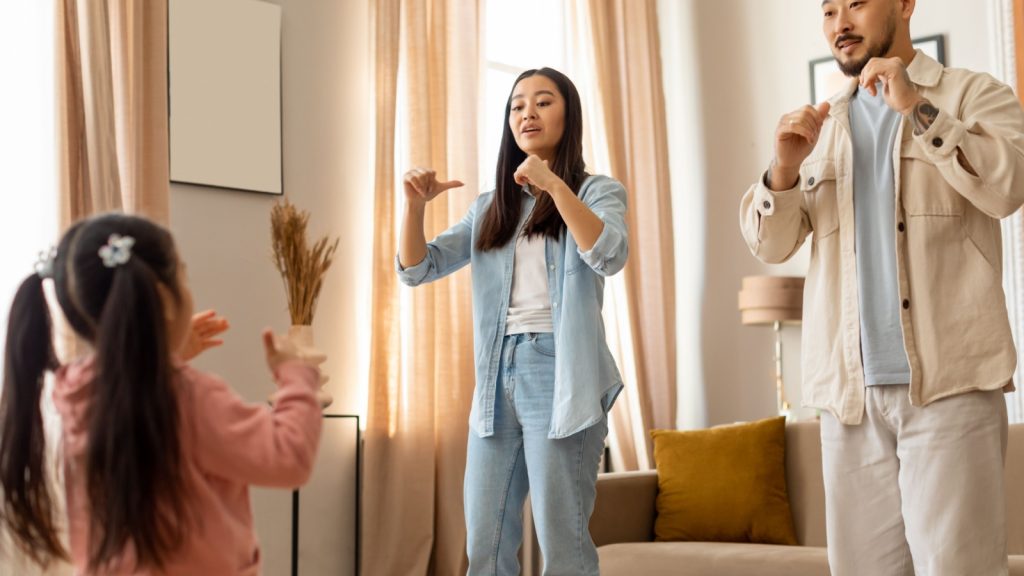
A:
[543, 343]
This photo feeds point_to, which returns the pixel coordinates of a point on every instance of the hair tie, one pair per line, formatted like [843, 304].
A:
[44, 263]
[118, 250]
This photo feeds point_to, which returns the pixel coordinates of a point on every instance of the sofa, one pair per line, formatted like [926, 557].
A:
[622, 524]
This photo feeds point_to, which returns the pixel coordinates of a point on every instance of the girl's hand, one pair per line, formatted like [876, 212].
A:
[422, 186]
[202, 335]
[536, 173]
[279, 349]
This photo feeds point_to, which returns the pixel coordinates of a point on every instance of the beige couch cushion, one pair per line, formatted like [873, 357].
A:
[1014, 477]
[724, 559]
[712, 559]
[805, 481]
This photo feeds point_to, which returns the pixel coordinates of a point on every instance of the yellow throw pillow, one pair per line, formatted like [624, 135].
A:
[724, 484]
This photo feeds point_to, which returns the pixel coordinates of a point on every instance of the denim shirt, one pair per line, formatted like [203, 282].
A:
[586, 378]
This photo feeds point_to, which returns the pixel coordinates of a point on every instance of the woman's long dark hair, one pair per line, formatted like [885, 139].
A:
[133, 457]
[502, 217]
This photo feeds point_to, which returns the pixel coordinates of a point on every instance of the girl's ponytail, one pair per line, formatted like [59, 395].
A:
[27, 508]
[135, 480]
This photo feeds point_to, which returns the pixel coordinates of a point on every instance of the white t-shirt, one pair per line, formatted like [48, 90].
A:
[529, 307]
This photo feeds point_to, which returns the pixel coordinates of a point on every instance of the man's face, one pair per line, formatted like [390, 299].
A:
[859, 30]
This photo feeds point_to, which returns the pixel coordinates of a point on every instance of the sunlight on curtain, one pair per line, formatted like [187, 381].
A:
[581, 67]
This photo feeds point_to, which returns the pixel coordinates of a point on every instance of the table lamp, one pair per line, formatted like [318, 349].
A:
[773, 300]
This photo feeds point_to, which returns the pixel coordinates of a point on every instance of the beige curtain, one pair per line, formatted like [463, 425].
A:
[112, 107]
[618, 59]
[421, 367]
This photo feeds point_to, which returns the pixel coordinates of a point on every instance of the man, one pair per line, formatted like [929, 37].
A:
[902, 179]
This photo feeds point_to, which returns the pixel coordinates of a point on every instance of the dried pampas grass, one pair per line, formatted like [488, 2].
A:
[302, 268]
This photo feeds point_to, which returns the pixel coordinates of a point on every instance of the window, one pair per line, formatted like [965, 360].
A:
[506, 55]
[28, 221]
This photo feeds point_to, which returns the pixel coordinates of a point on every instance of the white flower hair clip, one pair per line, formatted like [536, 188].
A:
[44, 263]
[118, 250]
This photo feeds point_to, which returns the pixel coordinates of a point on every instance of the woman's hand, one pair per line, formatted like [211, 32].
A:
[537, 174]
[202, 335]
[422, 185]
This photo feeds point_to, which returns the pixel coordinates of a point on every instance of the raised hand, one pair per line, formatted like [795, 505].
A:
[422, 186]
[202, 335]
[795, 137]
[279, 349]
[899, 92]
[536, 173]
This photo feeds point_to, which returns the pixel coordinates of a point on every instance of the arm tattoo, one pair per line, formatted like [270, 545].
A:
[923, 115]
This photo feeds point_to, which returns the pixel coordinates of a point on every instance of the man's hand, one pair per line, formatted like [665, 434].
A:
[899, 92]
[795, 137]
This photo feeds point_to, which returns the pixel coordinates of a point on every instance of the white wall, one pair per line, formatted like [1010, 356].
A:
[225, 235]
[732, 67]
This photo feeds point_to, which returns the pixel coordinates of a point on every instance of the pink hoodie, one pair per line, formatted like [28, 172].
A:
[227, 444]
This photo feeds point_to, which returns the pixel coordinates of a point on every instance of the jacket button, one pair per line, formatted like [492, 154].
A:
[810, 181]
[906, 304]
[767, 205]
[937, 142]
[551, 266]
[901, 227]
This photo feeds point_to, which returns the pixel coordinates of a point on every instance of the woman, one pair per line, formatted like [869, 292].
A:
[540, 246]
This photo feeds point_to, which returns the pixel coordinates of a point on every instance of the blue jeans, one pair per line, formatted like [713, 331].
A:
[520, 458]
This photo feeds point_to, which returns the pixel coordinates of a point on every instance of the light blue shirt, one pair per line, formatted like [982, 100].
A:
[874, 126]
[587, 380]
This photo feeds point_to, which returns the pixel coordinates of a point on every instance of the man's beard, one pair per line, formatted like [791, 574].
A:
[854, 68]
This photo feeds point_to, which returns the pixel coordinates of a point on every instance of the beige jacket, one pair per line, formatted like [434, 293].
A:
[948, 241]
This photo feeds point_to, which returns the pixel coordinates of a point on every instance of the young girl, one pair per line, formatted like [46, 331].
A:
[157, 456]
[540, 246]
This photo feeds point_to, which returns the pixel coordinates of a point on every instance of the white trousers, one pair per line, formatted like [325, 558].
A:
[917, 490]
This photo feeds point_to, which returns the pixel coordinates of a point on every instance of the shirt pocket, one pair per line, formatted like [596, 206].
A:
[985, 239]
[923, 190]
[818, 184]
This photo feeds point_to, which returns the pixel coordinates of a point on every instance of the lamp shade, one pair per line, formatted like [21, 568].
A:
[770, 299]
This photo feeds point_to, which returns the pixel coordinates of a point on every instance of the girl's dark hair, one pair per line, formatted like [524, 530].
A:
[502, 216]
[133, 460]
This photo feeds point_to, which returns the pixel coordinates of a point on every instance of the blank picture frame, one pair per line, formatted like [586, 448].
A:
[827, 79]
[224, 67]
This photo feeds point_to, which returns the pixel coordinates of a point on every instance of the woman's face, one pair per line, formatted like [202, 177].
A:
[537, 116]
